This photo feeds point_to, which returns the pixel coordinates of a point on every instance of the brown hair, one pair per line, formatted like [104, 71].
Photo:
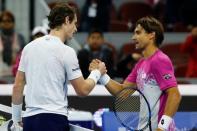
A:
[58, 13]
[150, 24]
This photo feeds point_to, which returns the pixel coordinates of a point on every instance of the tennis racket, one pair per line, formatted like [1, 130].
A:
[127, 106]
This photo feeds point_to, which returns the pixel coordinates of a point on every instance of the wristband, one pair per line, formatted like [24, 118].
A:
[16, 113]
[95, 75]
[165, 122]
[104, 79]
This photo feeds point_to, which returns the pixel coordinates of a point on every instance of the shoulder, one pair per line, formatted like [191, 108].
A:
[32, 43]
[69, 49]
[160, 57]
[161, 60]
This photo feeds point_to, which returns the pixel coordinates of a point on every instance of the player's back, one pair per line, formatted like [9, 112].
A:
[45, 71]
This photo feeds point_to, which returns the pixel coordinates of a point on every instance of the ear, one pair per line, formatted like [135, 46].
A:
[152, 35]
[67, 20]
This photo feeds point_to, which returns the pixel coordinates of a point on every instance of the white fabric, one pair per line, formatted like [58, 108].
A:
[39, 29]
[104, 79]
[16, 127]
[48, 63]
[95, 75]
[165, 122]
[16, 113]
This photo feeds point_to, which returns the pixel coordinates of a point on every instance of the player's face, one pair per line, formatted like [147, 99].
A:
[71, 28]
[140, 37]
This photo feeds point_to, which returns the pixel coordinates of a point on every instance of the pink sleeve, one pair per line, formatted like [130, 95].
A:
[164, 73]
[133, 75]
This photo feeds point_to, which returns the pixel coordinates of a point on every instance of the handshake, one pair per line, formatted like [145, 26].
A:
[98, 72]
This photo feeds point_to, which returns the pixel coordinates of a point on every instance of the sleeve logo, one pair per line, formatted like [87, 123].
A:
[167, 76]
[162, 121]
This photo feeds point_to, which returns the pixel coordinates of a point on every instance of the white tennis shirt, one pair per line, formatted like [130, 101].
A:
[48, 63]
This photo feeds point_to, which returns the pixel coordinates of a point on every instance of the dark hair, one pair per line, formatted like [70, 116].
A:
[150, 24]
[8, 14]
[58, 13]
[95, 30]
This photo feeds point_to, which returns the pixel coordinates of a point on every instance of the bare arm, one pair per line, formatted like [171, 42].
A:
[83, 87]
[17, 94]
[172, 102]
[171, 107]
[114, 87]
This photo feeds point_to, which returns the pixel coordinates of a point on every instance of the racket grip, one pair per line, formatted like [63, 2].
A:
[165, 122]
[104, 79]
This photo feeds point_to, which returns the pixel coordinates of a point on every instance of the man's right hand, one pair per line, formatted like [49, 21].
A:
[97, 64]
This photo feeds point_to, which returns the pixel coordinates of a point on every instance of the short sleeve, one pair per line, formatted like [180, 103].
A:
[72, 66]
[164, 73]
[22, 61]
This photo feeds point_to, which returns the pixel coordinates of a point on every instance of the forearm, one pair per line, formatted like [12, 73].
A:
[172, 102]
[17, 93]
[84, 87]
[17, 96]
[87, 87]
[114, 87]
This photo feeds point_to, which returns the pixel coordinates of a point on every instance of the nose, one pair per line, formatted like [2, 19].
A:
[133, 37]
[75, 29]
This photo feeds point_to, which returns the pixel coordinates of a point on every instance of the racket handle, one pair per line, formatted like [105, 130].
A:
[104, 79]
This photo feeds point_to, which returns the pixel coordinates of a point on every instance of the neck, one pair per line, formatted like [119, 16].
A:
[149, 50]
[58, 33]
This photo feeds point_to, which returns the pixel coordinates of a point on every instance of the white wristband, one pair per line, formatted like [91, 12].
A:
[165, 122]
[104, 79]
[16, 113]
[95, 75]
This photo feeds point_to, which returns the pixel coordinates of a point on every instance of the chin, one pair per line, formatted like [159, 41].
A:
[70, 37]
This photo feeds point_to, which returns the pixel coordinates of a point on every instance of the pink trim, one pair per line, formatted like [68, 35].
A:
[162, 104]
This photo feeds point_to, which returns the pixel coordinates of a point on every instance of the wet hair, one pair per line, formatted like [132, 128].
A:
[59, 12]
[150, 25]
[92, 31]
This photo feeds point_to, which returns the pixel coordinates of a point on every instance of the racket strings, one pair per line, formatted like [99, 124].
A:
[127, 108]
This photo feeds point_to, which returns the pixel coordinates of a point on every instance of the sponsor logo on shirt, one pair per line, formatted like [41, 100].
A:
[167, 76]
[76, 69]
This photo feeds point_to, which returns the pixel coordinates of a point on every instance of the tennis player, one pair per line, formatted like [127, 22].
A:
[46, 65]
[153, 75]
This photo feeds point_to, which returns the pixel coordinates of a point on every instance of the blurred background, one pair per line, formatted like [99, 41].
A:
[104, 31]
[112, 21]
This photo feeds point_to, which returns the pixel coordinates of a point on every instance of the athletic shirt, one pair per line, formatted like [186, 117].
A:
[48, 63]
[153, 75]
